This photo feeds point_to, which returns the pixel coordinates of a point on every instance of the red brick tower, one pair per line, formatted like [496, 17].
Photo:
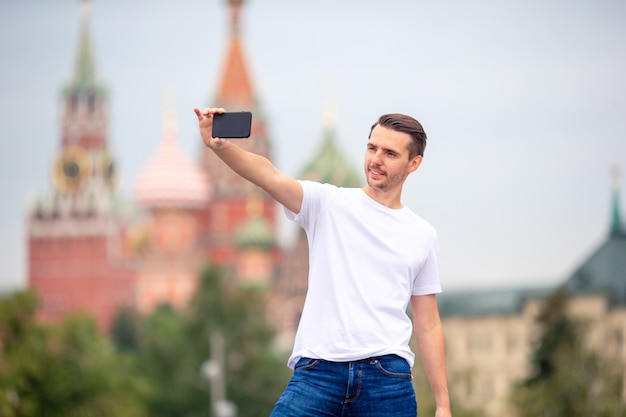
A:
[230, 201]
[77, 256]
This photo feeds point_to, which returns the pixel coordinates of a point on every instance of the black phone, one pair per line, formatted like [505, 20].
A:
[232, 125]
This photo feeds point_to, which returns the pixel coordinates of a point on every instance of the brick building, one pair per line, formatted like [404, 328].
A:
[490, 333]
[92, 251]
[78, 258]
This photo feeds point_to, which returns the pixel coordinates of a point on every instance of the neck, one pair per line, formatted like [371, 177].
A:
[389, 199]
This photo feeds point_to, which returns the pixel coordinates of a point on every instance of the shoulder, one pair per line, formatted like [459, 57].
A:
[420, 223]
[315, 186]
[316, 190]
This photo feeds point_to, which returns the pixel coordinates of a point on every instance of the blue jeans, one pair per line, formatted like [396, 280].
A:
[373, 387]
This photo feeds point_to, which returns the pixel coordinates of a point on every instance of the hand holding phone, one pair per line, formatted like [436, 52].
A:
[232, 125]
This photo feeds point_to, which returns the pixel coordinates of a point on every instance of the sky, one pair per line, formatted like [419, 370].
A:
[524, 104]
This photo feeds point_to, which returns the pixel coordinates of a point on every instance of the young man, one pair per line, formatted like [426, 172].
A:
[369, 257]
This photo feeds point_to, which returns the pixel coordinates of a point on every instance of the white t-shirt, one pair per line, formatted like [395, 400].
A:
[365, 262]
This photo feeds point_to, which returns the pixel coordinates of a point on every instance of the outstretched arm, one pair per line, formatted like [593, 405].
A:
[254, 168]
[430, 342]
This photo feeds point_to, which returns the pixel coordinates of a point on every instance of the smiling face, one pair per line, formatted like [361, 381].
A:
[387, 161]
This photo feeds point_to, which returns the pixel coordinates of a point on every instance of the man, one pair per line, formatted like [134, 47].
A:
[369, 256]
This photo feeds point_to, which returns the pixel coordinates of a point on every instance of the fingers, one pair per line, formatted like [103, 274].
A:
[208, 112]
[205, 121]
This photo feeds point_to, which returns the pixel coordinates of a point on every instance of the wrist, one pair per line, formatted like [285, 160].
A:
[443, 403]
[217, 145]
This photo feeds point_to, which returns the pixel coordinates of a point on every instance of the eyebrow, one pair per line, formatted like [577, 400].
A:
[369, 143]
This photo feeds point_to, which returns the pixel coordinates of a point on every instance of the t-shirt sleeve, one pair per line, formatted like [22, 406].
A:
[314, 197]
[427, 280]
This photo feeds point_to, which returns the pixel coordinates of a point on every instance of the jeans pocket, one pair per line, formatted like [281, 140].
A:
[393, 366]
[306, 363]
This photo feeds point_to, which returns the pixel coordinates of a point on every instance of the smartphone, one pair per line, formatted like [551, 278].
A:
[232, 125]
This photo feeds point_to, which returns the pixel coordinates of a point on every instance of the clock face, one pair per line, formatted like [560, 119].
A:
[71, 169]
[105, 168]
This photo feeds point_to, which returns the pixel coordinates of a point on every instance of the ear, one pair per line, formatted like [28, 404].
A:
[415, 163]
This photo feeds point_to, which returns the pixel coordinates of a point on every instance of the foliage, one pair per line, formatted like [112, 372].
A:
[154, 366]
[256, 375]
[570, 379]
[64, 370]
[124, 335]
[168, 358]
[170, 347]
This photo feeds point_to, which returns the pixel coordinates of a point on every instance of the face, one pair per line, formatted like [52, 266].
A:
[387, 162]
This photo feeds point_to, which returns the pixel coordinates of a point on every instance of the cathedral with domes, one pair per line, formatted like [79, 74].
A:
[91, 250]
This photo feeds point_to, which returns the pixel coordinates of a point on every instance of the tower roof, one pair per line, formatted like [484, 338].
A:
[170, 179]
[84, 77]
[605, 270]
[493, 301]
[235, 90]
[617, 227]
[255, 231]
[329, 165]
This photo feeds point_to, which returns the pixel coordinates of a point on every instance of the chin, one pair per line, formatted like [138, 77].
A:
[376, 185]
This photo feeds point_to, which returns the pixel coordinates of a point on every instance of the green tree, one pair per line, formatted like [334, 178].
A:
[570, 379]
[64, 370]
[255, 373]
[170, 347]
[169, 359]
[124, 330]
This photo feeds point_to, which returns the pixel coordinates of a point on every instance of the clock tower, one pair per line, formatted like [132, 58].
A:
[83, 164]
[77, 255]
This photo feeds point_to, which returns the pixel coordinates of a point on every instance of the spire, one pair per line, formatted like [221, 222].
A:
[84, 68]
[329, 119]
[616, 217]
[169, 124]
[235, 10]
[235, 87]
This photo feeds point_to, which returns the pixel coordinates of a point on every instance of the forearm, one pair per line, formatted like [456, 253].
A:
[261, 172]
[430, 342]
[254, 168]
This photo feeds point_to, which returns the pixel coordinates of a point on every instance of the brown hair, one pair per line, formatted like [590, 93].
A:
[407, 124]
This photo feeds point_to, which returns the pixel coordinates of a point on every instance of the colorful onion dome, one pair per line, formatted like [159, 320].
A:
[170, 178]
[255, 232]
[329, 165]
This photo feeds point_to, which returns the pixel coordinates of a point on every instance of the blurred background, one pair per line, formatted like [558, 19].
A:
[523, 103]
[192, 279]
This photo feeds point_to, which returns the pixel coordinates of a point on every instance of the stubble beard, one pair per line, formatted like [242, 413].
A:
[384, 184]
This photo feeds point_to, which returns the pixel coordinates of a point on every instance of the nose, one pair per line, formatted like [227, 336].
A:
[376, 158]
